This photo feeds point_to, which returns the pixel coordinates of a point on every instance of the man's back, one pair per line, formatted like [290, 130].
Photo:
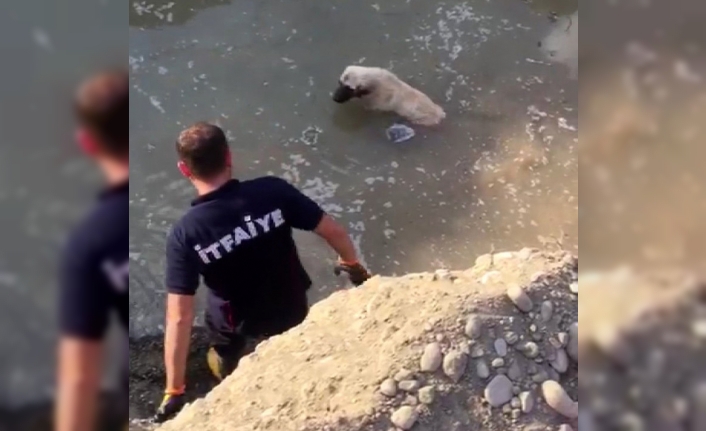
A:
[239, 238]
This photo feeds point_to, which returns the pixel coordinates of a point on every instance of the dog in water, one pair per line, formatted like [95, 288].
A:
[381, 90]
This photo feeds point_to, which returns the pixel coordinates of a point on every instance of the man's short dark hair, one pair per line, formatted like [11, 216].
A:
[203, 147]
[102, 106]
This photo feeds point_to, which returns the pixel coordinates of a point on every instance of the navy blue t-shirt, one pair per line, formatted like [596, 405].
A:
[94, 270]
[239, 239]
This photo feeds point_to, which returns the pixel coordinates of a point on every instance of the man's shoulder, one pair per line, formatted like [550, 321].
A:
[270, 182]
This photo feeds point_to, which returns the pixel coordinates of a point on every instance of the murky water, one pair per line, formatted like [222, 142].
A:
[501, 170]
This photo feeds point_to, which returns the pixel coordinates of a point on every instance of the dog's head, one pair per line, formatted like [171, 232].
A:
[354, 82]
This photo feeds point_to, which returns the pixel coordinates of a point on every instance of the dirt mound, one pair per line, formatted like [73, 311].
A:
[643, 350]
[474, 350]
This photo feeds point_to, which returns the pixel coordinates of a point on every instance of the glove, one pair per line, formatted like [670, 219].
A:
[356, 272]
[172, 403]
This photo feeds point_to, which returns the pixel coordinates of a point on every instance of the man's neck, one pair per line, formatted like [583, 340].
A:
[206, 187]
[116, 172]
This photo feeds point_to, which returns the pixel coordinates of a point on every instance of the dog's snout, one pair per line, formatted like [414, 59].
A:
[343, 94]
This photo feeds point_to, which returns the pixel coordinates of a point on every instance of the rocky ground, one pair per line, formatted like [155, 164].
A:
[490, 348]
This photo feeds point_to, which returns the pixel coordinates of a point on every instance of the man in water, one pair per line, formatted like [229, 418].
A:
[238, 237]
[94, 269]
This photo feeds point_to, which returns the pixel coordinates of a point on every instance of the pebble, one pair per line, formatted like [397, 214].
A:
[546, 311]
[511, 338]
[497, 363]
[482, 369]
[498, 391]
[405, 417]
[515, 403]
[408, 385]
[573, 346]
[563, 338]
[388, 388]
[520, 298]
[514, 372]
[557, 398]
[540, 377]
[404, 374]
[477, 352]
[427, 394]
[431, 358]
[516, 414]
[530, 349]
[527, 401]
[574, 287]
[566, 427]
[455, 364]
[561, 362]
[516, 390]
[474, 327]
[501, 347]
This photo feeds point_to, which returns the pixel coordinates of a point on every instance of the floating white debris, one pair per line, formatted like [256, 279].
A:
[399, 133]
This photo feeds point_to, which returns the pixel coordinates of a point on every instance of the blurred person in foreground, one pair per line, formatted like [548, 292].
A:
[238, 237]
[94, 272]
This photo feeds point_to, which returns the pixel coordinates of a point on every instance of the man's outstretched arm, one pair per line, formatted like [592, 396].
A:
[180, 318]
[338, 238]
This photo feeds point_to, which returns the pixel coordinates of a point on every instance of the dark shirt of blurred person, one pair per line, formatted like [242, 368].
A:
[94, 268]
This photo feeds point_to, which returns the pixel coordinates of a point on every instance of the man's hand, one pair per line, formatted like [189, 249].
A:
[356, 272]
[172, 403]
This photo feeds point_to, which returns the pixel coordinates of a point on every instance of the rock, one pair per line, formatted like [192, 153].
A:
[530, 349]
[431, 358]
[516, 414]
[566, 427]
[573, 347]
[500, 347]
[427, 394]
[498, 391]
[477, 352]
[515, 403]
[540, 377]
[546, 311]
[455, 364]
[561, 362]
[497, 363]
[404, 374]
[411, 400]
[527, 401]
[482, 369]
[511, 338]
[408, 385]
[474, 327]
[389, 388]
[574, 287]
[520, 298]
[514, 372]
[405, 417]
[557, 398]
[563, 339]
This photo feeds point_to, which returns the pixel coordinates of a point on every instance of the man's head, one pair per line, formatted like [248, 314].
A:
[102, 108]
[203, 152]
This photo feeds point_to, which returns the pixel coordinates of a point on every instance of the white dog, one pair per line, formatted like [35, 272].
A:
[382, 90]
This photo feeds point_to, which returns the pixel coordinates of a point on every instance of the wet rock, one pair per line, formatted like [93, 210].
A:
[405, 417]
[500, 347]
[408, 385]
[573, 346]
[546, 311]
[520, 298]
[389, 388]
[455, 364]
[527, 401]
[511, 338]
[530, 349]
[427, 394]
[499, 391]
[482, 369]
[561, 362]
[514, 372]
[431, 358]
[474, 327]
[557, 398]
